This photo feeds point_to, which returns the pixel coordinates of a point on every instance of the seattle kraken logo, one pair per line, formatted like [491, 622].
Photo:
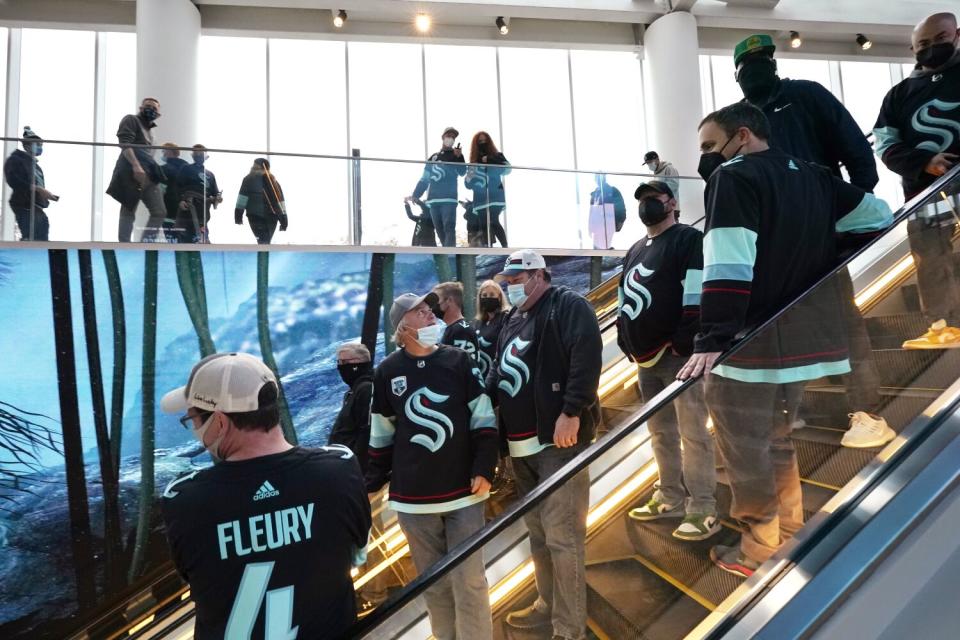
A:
[923, 122]
[419, 413]
[483, 359]
[511, 365]
[637, 297]
[437, 173]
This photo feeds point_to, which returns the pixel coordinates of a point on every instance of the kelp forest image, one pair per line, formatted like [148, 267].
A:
[91, 338]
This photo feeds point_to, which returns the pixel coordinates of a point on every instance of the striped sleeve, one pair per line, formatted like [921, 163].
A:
[729, 255]
[483, 424]
[692, 268]
[860, 212]
[383, 429]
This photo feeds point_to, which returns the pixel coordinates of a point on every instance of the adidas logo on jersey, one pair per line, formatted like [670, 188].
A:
[265, 491]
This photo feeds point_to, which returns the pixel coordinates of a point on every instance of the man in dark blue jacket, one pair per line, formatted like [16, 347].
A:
[808, 122]
[29, 195]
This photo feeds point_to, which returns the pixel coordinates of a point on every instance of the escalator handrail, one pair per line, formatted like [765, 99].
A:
[475, 542]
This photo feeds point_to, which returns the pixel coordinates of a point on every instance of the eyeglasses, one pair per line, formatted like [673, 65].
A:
[187, 420]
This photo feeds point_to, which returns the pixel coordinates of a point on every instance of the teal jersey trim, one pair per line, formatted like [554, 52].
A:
[242, 201]
[692, 287]
[741, 272]
[437, 507]
[872, 214]
[884, 138]
[784, 376]
[481, 413]
[729, 246]
[524, 448]
[440, 201]
[489, 204]
[382, 431]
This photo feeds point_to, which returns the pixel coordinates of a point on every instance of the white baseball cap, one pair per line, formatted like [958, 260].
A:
[227, 382]
[520, 261]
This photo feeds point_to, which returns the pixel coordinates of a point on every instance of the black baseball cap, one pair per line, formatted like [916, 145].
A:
[653, 185]
[650, 155]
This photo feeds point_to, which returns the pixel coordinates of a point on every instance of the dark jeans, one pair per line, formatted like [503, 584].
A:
[36, 229]
[752, 423]
[684, 421]
[263, 228]
[930, 243]
[444, 218]
[863, 381]
[558, 532]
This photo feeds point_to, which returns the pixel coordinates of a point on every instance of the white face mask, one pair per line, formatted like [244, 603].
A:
[429, 336]
[516, 294]
[448, 142]
[652, 166]
[213, 448]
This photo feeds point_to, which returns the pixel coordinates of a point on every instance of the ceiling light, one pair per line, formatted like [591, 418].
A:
[795, 40]
[422, 22]
[340, 19]
[864, 41]
[503, 26]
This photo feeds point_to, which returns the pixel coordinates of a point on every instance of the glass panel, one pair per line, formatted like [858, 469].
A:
[319, 188]
[706, 85]
[725, 88]
[233, 114]
[120, 98]
[608, 110]
[48, 83]
[3, 77]
[800, 69]
[794, 384]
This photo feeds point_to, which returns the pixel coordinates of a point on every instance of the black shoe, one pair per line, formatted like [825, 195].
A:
[529, 618]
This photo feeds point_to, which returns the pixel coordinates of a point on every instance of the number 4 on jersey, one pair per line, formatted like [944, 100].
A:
[246, 606]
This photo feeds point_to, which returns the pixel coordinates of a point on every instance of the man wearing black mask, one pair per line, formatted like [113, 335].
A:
[136, 176]
[918, 137]
[657, 319]
[806, 120]
[352, 426]
[198, 192]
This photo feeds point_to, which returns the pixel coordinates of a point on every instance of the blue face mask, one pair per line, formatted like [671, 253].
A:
[37, 149]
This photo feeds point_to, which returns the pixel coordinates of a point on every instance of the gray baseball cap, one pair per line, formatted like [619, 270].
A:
[408, 301]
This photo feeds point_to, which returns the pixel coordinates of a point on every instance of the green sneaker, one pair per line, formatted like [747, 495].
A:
[654, 510]
[697, 526]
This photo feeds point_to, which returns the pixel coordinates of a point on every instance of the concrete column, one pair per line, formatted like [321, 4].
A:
[672, 79]
[168, 45]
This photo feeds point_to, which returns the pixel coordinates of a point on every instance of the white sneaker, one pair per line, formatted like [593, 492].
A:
[867, 431]
[799, 423]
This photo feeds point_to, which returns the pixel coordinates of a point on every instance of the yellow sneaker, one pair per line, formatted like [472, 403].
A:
[940, 336]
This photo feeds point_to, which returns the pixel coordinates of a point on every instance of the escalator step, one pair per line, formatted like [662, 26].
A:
[823, 460]
[903, 368]
[889, 332]
[828, 406]
[628, 600]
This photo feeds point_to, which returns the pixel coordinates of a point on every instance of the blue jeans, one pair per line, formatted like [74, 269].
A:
[444, 218]
[558, 533]
[36, 229]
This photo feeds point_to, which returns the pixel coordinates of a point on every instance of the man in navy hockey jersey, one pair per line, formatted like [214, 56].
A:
[659, 314]
[269, 535]
[439, 182]
[770, 235]
[433, 437]
[459, 332]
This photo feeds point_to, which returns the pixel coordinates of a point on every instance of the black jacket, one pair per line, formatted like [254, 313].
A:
[19, 173]
[808, 122]
[133, 131]
[171, 195]
[352, 426]
[568, 364]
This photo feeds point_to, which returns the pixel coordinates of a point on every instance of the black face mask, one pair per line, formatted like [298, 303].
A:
[758, 79]
[710, 162]
[483, 147]
[350, 373]
[935, 56]
[437, 311]
[489, 305]
[652, 212]
[149, 113]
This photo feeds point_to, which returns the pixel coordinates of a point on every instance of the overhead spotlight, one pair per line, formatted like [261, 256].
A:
[795, 40]
[340, 19]
[503, 26]
[422, 22]
[864, 41]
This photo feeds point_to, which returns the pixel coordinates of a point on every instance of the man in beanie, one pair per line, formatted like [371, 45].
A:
[29, 195]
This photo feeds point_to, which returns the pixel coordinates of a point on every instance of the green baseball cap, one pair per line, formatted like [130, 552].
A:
[756, 42]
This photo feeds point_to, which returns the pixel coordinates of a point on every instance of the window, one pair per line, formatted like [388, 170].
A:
[119, 52]
[233, 115]
[56, 101]
[800, 69]
[308, 114]
[725, 88]
[387, 121]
